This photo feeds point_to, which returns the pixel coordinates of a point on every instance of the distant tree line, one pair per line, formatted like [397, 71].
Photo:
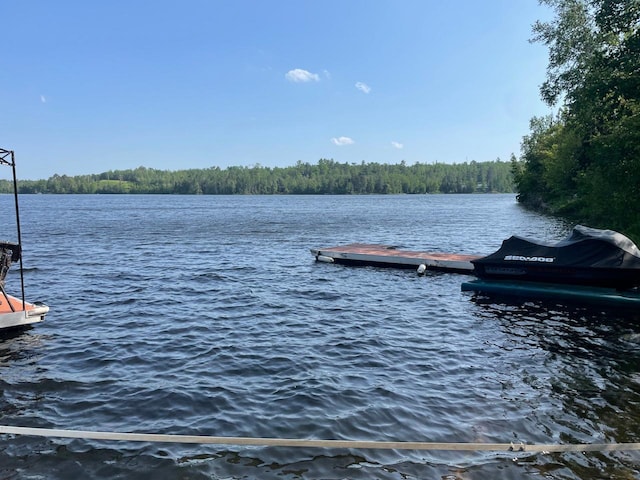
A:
[325, 177]
[584, 162]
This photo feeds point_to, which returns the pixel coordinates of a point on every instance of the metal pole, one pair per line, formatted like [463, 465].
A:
[15, 194]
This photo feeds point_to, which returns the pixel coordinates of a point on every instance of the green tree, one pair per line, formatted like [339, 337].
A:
[586, 162]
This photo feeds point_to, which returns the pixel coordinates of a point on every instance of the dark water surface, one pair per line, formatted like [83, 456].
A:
[207, 315]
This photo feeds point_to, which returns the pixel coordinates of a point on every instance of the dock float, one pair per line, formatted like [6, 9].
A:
[363, 254]
[549, 291]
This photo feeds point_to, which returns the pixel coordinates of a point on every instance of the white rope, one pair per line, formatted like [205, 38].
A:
[291, 442]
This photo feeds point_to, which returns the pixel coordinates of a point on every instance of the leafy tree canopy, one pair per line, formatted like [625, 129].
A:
[585, 161]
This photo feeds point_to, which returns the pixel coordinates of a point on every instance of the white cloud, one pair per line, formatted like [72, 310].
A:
[340, 141]
[398, 145]
[363, 87]
[43, 99]
[298, 75]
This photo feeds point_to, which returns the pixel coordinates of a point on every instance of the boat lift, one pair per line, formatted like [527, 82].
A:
[15, 312]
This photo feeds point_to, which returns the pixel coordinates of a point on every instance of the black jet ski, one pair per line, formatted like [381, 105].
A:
[588, 256]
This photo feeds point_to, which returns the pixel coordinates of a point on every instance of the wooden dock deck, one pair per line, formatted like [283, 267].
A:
[389, 256]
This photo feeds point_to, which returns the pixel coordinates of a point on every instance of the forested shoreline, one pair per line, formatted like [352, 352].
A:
[324, 177]
[584, 162]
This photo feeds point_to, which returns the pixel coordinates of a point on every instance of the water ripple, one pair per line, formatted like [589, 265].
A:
[207, 315]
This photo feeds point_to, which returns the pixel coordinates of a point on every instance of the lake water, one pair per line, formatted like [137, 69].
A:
[207, 315]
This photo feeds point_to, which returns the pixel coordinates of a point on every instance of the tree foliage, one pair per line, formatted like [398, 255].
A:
[325, 177]
[585, 162]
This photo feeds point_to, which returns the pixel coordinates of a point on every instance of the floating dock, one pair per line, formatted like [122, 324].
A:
[389, 256]
[566, 293]
[362, 254]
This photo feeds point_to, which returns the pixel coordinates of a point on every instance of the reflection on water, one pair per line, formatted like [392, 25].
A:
[591, 360]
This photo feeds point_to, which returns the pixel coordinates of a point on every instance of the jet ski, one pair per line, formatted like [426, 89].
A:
[588, 256]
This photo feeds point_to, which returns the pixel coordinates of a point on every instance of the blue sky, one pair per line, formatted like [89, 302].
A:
[88, 87]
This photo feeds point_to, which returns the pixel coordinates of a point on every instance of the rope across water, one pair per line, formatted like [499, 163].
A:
[292, 442]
